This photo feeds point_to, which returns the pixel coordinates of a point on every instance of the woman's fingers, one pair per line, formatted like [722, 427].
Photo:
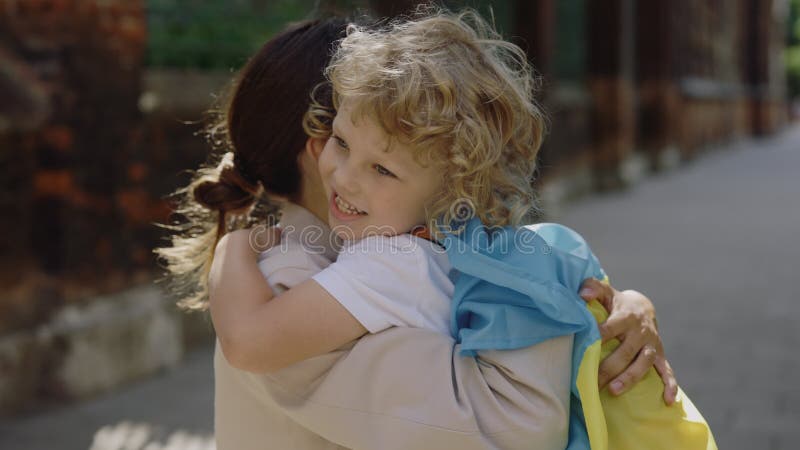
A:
[632, 321]
[620, 360]
[647, 357]
[617, 325]
[668, 377]
[635, 372]
[594, 289]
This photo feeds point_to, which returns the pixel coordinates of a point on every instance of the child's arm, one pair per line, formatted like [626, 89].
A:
[259, 332]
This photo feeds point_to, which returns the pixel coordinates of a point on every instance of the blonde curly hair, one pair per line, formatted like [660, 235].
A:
[461, 96]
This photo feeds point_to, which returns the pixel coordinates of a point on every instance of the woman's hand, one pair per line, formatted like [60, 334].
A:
[632, 321]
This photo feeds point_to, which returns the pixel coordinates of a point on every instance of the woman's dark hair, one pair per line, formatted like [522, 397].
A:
[256, 139]
[264, 117]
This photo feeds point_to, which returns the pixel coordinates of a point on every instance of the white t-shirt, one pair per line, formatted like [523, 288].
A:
[386, 281]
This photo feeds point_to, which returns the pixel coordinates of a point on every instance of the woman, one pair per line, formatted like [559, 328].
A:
[318, 403]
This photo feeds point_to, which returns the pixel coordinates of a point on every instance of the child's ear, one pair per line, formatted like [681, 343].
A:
[314, 147]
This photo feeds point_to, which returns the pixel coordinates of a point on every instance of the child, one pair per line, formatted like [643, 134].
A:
[382, 181]
[476, 126]
[427, 114]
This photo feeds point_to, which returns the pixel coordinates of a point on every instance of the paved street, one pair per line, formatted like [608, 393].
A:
[712, 243]
[170, 411]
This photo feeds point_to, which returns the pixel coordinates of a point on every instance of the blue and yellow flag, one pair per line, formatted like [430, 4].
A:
[516, 287]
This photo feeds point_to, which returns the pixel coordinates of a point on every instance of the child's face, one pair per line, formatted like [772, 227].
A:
[371, 190]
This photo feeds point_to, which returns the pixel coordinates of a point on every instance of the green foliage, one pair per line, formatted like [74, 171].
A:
[792, 58]
[570, 53]
[793, 24]
[792, 52]
[499, 13]
[222, 34]
[215, 34]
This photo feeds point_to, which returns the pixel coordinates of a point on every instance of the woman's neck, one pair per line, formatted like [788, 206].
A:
[312, 194]
[310, 200]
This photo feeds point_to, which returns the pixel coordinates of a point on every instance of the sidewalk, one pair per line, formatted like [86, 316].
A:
[713, 243]
[170, 411]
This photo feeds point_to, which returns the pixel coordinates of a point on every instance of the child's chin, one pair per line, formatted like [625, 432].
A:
[346, 233]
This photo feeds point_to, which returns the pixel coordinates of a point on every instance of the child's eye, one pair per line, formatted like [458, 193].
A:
[340, 142]
[384, 171]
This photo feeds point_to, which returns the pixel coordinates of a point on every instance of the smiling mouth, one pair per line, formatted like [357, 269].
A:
[346, 208]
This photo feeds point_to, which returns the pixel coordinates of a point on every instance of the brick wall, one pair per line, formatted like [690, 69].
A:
[82, 189]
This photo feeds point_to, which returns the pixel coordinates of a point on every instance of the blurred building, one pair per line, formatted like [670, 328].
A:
[91, 140]
[654, 82]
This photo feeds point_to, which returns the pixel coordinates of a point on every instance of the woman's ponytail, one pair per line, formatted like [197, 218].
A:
[218, 198]
[228, 191]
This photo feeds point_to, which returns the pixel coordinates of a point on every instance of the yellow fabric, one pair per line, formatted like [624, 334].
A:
[638, 419]
[590, 398]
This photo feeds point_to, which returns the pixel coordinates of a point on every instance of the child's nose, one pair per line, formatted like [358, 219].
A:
[346, 179]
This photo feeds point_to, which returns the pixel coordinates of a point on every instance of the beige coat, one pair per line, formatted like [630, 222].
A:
[402, 388]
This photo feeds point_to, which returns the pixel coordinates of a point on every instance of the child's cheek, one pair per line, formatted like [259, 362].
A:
[324, 164]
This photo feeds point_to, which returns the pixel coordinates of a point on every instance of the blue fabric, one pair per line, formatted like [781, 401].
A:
[516, 287]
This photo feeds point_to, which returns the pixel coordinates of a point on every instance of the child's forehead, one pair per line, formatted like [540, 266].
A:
[359, 128]
[356, 121]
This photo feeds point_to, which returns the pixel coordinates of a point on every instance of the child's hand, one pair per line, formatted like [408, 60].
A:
[240, 243]
[631, 320]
